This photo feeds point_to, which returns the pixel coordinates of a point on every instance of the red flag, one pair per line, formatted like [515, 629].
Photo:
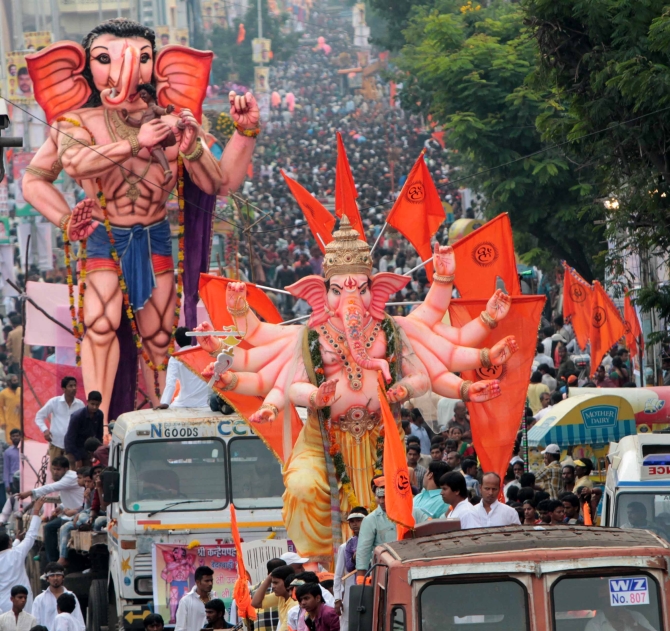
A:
[482, 256]
[399, 501]
[495, 423]
[634, 337]
[345, 190]
[418, 212]
[607, 327]
[241, 593]
[320, 221]
[577, 304]
[241, 34]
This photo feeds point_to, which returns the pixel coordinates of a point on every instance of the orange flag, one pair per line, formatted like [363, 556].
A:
[241, 593]
[241, 34]
[345, 190]
[577, 304]
[320, 221]
[482, 256]
[495, 423]
[399, 501]
[418, 212]
[607, 327]
[634, 337]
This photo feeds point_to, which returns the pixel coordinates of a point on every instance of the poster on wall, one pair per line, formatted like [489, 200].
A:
[261, 79]
[174, 570]
[162, 36]
[182, 36]
[36, 40]
[19, 84]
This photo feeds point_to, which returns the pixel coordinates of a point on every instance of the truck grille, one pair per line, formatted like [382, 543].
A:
[142, 565]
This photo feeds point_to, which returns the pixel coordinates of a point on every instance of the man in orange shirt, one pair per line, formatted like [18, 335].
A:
[10, 407]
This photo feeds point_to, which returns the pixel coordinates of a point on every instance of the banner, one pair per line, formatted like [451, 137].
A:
[182, 36]
[35, 41]
[260, 50]
[607, 326]
[261, 79]
[173, 571]
[19, 83]
[4, 198]
[577, 295]
[162, 36]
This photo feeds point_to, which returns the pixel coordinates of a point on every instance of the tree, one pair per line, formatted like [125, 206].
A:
[467, 66]
[607, 66]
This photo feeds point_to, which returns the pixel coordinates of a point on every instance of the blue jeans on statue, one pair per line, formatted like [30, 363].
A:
[51, 538]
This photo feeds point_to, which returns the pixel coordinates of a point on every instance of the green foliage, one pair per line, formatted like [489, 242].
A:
[468, 67]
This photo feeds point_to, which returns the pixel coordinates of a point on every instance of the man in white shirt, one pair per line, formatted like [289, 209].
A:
[71, 497]
[13, 561]
[16, 619]
[193, 391]
[59, 408]
[191, 612]
[490, 512]
[541, 357]
[619, 619]
[45, 605]
[455, 493]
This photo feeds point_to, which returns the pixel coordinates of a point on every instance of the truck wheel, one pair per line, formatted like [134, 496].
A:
[96, 616]
[114, 623]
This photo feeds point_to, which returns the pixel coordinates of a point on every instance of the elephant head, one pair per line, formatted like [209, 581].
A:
[116, 57]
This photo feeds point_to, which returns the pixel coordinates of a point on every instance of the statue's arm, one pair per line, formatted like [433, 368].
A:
[38, 188]
[235, 162]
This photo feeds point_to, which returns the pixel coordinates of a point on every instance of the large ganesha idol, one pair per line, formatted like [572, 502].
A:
[330, 366]
[125, 124]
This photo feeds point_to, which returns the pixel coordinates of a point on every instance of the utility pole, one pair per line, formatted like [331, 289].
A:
[55, 20]
[99, 11]
[260, 24]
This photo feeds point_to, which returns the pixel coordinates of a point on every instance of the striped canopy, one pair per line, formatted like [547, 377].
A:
[584, 420]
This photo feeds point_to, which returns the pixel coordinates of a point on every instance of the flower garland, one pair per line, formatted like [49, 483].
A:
[392, 347]
[102, 201]
[77, 325]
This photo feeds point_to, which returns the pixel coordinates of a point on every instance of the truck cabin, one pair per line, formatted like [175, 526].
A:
[637, 488]
[528, 578]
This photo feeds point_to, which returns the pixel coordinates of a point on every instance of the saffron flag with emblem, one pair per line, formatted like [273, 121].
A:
[495, 423]
[399, 500]
[345, 190]
[320, 221]
[607, 326]
[241, 593]
[577, 304]
[484, 255]
[634, 337]
[418, 212]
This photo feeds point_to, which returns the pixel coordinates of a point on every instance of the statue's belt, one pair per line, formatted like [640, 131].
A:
[357, 421]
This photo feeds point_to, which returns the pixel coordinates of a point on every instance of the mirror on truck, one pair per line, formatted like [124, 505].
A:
[361, 607]
[110, 485]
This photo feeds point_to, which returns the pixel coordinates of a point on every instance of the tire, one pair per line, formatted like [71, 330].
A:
[96, 616]
[114, 623]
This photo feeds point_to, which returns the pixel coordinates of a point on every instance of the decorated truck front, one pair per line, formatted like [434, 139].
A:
[174, 475]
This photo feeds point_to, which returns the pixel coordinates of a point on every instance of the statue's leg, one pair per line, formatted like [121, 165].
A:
[155, 322]
[100, 349]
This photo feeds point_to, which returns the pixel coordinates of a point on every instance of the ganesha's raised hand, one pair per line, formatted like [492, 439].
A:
[265, 414]
[503, 350]
[397, 393]
[444, 260]
[485, 390]
[498, 305]
[244, 110]
[326, 393]
[236, 296]
[208, 342]
[81, 224]
[186, 131]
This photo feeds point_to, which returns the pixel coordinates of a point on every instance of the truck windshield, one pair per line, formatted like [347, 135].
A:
[480, 606]
[648, 510]
[255, 474]
[604, 602]
[164, 472]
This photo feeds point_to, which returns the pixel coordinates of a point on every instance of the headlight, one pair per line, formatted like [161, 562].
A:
[144, 585]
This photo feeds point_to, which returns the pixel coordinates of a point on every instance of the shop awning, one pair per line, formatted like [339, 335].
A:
[586, 419]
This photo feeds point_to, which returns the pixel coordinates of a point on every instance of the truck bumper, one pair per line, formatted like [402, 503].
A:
[134, 615]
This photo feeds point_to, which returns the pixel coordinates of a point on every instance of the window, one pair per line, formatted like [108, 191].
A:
[579, 600]
[650, 511]
[477, 606]
[398, 619]
[256, 479]
[175, 475]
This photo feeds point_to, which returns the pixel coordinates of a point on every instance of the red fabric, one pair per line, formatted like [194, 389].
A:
[495, 423]
[320, 221]
[41, 383]
[399, 500]
[241, 593]
[345, 190]
[607, 327]
[241, 34]
[634, 337]
[161, 263]
[482, 256]
[418, 212]
[439, 136]
[577, 294]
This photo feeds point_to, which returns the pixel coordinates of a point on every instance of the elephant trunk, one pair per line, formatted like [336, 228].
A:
[128, 78]
[353, 317]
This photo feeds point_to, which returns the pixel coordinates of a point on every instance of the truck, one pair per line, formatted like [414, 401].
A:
[637, 486]
[521, 578]
[172, 477]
